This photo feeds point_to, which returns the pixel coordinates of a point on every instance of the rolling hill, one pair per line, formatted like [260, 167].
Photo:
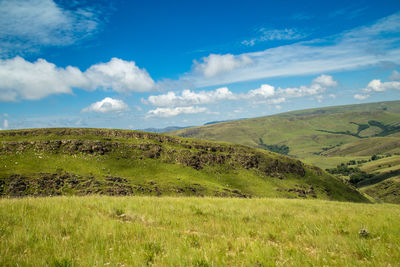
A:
[63, 161]
[315, 134]
[325, 137]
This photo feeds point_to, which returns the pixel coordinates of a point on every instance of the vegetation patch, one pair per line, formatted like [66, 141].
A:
[281, 149]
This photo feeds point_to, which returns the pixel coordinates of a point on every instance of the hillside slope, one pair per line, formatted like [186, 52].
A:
[121, 162]
[314, 134]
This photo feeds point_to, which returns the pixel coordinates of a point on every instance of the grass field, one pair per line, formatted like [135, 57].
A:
[167, 231]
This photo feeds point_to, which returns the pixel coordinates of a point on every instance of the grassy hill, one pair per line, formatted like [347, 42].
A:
[340, 133]
[325, 137]
[43, 162]
[386, 189]
[140, 231]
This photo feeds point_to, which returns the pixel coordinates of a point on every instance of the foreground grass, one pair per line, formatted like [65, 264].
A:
[135, 231]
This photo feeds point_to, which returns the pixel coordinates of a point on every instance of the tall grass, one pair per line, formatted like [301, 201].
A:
[137, 231]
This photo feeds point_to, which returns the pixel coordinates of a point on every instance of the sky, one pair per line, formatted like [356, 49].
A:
[141, 64]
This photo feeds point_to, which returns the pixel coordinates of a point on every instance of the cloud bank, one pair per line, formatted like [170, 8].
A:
[170, 112]
[172, 104]
[377, 86]
[21, 79]
[189, 98]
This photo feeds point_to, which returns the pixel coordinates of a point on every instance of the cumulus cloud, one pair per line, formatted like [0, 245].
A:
[173, 104]
[378, 86]
[265, 94]
[170, 112]
[120, 75]
[325, 81]
[21, 79]
[318, 86]
[215, 64]
[107, 105]
[189, 98]
[27, 25]
[264, 91]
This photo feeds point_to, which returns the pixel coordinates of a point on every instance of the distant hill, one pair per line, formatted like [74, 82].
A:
[215, 122]
[163, 130]
[314, 134]
[325, 137]
[65, 161]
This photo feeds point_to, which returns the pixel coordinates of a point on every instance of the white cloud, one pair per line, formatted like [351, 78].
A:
[277, 100]
[361, 97]
[325, 81]
[27, 25]
[276, 34]
[21, 79]
[170, 112]
[216, 64]
[395, 76]
[107, 105]
[5, 124]
[189, 98]
[318, 86]
[378, 86]
[266, 94]
[119, 75]
[354, 49]
[264, 91]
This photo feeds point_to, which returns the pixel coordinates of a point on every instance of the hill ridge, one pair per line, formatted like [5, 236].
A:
[148, 163]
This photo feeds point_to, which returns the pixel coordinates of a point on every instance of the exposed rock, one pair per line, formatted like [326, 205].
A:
[52, 184]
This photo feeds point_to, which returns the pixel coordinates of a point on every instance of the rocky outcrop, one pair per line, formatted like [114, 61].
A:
[53, 184]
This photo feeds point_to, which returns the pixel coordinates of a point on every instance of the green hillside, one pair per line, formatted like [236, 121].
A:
[314, 134]
[168, 231]
[387, 189]
[325, 137]
[43, 162]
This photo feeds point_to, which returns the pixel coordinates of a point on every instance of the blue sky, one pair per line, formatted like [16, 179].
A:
[138, 64]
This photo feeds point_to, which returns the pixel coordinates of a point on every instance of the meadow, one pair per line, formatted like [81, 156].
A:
[192, 231]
